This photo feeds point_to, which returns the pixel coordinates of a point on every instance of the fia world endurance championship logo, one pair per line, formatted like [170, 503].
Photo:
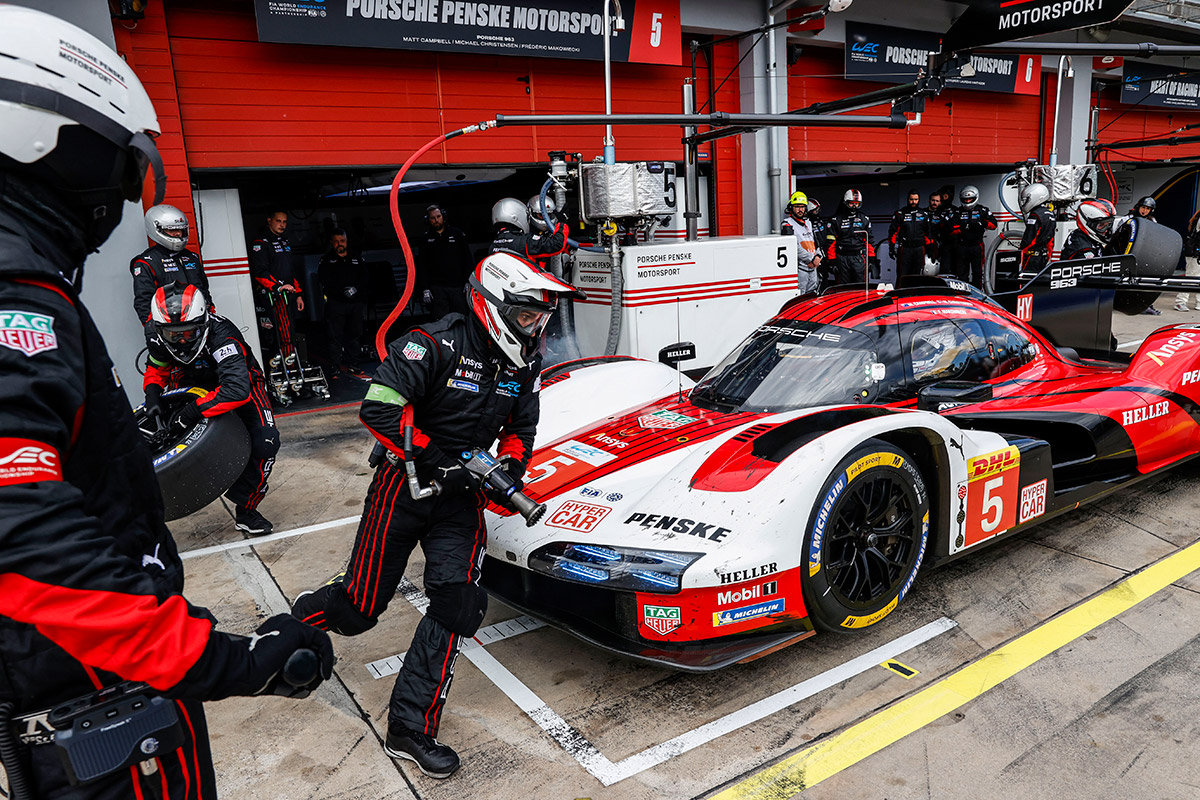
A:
[27, 332]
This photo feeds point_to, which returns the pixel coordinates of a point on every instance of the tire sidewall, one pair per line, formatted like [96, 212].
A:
[868, 459]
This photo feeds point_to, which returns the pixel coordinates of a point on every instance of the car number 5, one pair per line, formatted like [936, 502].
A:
[992, 502]
[547, 468]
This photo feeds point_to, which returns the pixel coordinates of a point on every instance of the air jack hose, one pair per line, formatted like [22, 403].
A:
[10, 757]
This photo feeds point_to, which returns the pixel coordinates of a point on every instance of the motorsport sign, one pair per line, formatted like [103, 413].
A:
[994, 21]
[1156, 85]
[551, 28]
[889, 54]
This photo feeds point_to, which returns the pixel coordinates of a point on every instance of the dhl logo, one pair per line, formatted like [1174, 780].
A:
[993, 463]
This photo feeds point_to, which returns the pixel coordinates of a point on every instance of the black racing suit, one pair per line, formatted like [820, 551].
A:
[227, 368]
[937, 232]
[852, 245]
[464, 394]
[344, 282]
[273, 266]
[908, 237]
[1039, 236]
[1080, 245]
[443, 267]
[966, 226]
[156, 267]
[536, 248]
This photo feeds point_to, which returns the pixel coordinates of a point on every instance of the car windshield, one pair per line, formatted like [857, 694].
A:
[787, 364]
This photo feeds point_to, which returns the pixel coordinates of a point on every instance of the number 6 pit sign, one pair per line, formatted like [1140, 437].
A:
[992, 482]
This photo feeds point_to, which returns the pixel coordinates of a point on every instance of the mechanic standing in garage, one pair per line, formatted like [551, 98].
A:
[1191, 252]
[443, 264]
[461, 383]
[343, 279]
[90, 579]
[966, 225]
[210, 352]
[852, 243]
[937, 232]
[808, 257]
[908, 237]
[273, 268]
[166, 261]
[510, 221]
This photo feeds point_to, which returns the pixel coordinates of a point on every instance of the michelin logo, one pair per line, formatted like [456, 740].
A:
[746, 613]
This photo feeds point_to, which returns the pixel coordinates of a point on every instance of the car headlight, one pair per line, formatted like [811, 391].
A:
[614, 567]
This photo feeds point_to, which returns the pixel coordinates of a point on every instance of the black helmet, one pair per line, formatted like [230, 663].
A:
[1149, 202]
[180, 317]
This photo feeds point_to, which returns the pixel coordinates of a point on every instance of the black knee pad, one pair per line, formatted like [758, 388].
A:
[459, 607]
[340, 614]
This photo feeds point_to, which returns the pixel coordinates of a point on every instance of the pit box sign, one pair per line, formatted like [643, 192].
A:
[1158, 85]
[993, 21]
[549, 28]
[888, 54]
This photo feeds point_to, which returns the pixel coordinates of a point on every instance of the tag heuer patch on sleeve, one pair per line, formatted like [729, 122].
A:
[413, 351]
[28, 332]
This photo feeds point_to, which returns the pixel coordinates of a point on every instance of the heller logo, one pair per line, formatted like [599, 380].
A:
[1136, 415]
[575, 516]
[748, 593]
[1025, 307]
[27, 461]
[664, 419]
[27, 332]
[661, 619]
[746, 613]
[748, 574]
[1033, 501]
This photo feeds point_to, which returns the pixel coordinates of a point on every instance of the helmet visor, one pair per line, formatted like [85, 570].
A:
[528, 321]
[180, 336]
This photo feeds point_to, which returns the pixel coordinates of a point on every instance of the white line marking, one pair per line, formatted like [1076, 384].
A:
[608, 773]
[483, 637]
[274, 537]
[1131, 345]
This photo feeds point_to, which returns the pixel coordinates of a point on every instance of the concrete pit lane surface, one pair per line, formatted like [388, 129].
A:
[1057, 664]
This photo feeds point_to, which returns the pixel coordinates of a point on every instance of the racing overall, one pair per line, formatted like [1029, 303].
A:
[537, 247]
[966, 226]
[443, 267]
[1039, 235]
[908, 237]
[1080, 245]
[157, 267]
[90, 579]
[344, 281]
[852, 245]
[229, 370]
[273, 265]
[464, 394]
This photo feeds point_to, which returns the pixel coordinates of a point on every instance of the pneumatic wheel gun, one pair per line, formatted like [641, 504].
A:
[492, 476]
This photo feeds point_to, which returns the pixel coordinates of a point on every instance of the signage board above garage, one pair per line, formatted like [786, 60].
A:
[550, 28]
[1157, 85]
[888, 54]
[994, 21]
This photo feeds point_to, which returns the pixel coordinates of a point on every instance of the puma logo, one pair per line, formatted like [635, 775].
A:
[147, 560]
[254, 637]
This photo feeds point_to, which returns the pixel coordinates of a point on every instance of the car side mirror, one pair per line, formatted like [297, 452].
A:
[945, 395]
[673, 354]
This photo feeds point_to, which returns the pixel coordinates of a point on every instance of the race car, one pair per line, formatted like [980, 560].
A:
[807, 479]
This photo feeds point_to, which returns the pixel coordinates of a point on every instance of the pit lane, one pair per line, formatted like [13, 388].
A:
[534, 713]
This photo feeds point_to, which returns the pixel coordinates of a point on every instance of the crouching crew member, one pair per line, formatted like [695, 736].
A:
[166, 261]
[463, 382]
[209, 351]
[1094, 227]
[90, 579]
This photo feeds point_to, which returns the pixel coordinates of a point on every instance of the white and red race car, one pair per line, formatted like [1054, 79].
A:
[804, 482]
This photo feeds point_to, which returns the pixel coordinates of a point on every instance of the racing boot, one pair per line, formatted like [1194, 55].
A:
[252, 522]
[435, 759]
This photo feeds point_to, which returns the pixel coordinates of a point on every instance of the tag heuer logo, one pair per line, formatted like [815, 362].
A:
[28, 332]
[664, 419]
[661, 619]
[414, 351]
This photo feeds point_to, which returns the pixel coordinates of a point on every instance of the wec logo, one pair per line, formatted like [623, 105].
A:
[27, 461]
[31, 455]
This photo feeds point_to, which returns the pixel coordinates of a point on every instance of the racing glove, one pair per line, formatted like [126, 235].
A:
[186, 417]
[242, 666]
[154, 407]
[450, 473]
[515, 469]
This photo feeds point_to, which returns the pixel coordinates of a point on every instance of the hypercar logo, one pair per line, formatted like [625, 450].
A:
[1025, 307]
[746, 613]
[27, 461]
[664, 419]
[661, 619]
[27, 332]
[1033, 501]
[576, 516]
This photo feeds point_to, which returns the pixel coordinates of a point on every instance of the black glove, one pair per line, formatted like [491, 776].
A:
[515, 470]
[186, 417]
[244, 666]
[450, 473]
[154, 407]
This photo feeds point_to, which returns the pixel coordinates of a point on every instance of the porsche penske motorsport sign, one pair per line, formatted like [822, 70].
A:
[551, 28]
[994, 21]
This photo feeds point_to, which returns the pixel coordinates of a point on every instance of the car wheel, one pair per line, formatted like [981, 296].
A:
[196, 466]
[866, 538]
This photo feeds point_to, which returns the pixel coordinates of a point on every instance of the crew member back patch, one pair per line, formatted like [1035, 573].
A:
[27, 461]
[28, 332]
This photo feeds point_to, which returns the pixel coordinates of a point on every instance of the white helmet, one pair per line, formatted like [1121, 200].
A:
[511, 211]
[1031, 196]
[535, 211]
[163, 218]
[513, 300]
[179, 314]
[852, 196]
[76, 118]
[968, 196]
[932, 266]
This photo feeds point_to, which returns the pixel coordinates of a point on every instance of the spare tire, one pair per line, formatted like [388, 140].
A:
[198, 465]
[1156, 250]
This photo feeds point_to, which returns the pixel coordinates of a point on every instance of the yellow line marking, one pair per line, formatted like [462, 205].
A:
[813, 765]
[903, 670]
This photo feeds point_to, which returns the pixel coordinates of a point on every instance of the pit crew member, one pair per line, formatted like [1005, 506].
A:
[166, 261]
[273, 268]
[1034, 200]
[966, 225]
[1094, 227]
[808, 257]
[853, 243]
[510, 221]
[909, 235]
